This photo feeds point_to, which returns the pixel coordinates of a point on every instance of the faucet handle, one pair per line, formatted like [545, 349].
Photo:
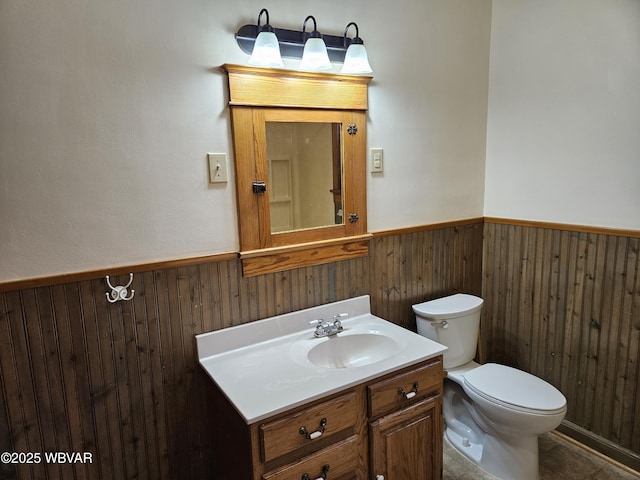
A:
[319, 323]
[322, 327]
[337, 324]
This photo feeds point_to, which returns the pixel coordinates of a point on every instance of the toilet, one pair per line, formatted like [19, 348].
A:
[493, 413]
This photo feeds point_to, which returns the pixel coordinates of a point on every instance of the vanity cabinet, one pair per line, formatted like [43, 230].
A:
[388, 427]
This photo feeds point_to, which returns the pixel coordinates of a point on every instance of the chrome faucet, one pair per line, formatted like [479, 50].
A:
[326, 329]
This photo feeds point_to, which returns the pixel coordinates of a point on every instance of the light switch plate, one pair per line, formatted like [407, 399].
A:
[217, 167]
[376, 160]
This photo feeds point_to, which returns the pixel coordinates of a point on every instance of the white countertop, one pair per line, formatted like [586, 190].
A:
[258, 367]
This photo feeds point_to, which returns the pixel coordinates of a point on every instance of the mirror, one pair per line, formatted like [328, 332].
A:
[304, 160]
[300, 158]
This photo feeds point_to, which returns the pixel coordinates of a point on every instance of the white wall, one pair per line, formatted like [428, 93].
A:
[563, 142]
[427, 109]
[108, 109]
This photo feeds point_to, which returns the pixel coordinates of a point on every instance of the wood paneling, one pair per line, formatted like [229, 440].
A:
[122, 382]
[565, 305]
[419, 266]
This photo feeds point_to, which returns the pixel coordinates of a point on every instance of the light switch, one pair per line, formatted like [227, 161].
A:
[217, 167]
[376, 160]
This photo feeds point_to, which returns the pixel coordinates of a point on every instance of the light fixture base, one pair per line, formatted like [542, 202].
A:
[292, 42]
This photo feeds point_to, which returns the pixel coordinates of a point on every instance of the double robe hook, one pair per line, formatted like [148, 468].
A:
[120, 292]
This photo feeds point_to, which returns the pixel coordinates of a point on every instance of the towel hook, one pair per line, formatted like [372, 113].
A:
[120, 292]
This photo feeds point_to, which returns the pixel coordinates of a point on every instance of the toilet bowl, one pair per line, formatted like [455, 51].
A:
[493, 413]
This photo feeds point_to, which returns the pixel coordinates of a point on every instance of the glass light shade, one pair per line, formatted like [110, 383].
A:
[315, 55]
[266, 51]
[356, 60]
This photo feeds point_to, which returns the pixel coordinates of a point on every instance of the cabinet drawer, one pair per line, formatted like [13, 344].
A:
[299, 429]
[395, 392]
[339, 460]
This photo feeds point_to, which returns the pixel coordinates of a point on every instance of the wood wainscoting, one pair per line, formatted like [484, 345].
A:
[121, 381]
[564, 304]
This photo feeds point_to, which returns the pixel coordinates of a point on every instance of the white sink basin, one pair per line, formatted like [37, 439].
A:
[349, 351]
[358, 345]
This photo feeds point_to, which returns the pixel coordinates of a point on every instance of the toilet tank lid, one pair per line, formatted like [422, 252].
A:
[460, 303]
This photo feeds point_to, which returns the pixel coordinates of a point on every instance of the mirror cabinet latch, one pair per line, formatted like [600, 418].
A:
[259, 187]
[353, 217]
[352, 129]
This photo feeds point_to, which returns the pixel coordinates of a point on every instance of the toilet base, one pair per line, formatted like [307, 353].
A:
[473, 451]
[515, 459]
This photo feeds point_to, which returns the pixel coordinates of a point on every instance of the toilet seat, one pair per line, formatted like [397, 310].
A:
[515, 389]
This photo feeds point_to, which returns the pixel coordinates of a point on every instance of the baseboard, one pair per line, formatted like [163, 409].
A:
[624, 457]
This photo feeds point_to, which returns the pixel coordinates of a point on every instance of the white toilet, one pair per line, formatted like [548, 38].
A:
[493, 413]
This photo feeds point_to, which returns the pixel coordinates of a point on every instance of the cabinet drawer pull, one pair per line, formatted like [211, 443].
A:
[323, 475]
[411, 394]
[316, 434]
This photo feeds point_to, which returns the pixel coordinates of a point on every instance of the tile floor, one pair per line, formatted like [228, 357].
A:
[559, 460]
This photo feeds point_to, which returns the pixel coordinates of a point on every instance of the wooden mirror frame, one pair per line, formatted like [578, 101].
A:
[256, 94]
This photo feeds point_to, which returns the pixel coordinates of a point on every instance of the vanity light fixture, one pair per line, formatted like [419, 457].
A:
[292, 44]
[314, 56]
[266, 50]
[355, 60]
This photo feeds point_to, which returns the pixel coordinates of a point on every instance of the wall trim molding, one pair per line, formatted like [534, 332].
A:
[431, 226]
[220, 257]
[113, 271]
[621, 457]
[620, 232]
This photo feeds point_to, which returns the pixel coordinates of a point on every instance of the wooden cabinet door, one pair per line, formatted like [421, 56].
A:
[405, 444]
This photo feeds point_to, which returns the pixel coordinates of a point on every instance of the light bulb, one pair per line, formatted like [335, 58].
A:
[356, 60]
[314, 56]
[266, 51]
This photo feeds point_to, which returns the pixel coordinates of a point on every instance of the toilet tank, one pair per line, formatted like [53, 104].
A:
[453, 321]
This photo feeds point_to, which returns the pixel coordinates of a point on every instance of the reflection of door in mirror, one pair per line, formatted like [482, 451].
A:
[305, 174]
